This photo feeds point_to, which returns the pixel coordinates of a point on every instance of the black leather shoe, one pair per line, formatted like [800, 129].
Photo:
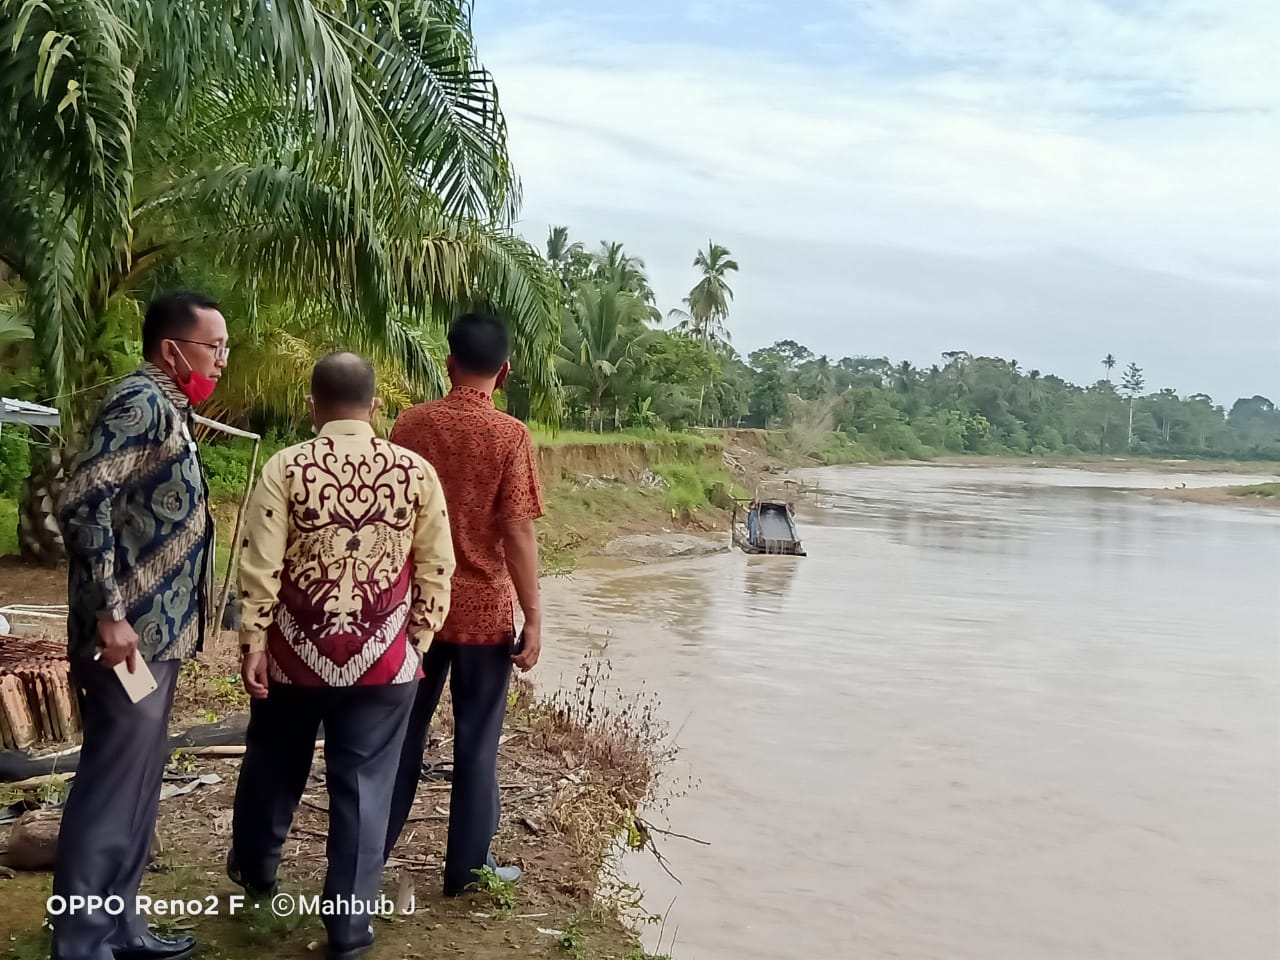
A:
[349, 951]
[148, 946]
[253, 890]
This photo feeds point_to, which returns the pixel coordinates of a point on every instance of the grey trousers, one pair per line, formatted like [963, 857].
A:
[363, 731]
[478, 680]
[110, 813]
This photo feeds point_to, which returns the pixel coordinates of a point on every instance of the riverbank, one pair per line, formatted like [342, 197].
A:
[631, 496]
[1258, 495]
[1109, 464]
[577, 767]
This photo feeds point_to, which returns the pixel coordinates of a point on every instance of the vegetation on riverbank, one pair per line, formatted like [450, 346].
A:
[1264, 495]
[580, 769]
[1265, 491]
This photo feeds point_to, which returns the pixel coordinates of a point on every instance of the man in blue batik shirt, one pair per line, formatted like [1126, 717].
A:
[139, 539]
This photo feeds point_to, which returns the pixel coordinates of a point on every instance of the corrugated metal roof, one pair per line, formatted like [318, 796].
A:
[20, 411]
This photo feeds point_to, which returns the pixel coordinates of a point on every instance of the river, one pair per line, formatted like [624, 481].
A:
[995, 713]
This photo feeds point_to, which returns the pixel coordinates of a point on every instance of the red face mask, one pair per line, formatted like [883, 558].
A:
[197, 387]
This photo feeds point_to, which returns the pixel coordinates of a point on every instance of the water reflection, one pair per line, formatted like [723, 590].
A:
[1002, 714]
[770, 576]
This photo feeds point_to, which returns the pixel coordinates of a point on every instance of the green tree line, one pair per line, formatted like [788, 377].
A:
[338, 175]
[623, 364]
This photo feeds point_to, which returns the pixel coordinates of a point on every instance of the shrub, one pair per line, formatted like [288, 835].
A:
[15, 459]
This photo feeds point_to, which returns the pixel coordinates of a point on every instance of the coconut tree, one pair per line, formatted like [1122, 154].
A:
[614, 266]
[340, 158]
[561, 254]
[707, 305]
[604, 338]
[268, 383]
[1109, 364]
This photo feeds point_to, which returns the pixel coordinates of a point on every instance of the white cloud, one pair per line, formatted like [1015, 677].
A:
[1210, 54]
[1036, 128]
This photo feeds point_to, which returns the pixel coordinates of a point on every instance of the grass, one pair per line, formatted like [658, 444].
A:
[587, 762]
[678, 446]
[582, 517]
[573, 941]
[1267, 490]
[501, 892]
[8, 527]
[546, 437]
[692, 486]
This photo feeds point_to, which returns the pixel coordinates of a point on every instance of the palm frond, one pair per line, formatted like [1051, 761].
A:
[66, 85]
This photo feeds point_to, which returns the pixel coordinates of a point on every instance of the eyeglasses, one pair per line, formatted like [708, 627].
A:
[220, 350]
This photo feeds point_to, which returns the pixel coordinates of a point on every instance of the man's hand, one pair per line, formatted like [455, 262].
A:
[528, 657]
[119, 643]
[253, 671]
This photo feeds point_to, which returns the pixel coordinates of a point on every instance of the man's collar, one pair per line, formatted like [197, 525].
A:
[471, 395]
[166, 385]
[347, 428]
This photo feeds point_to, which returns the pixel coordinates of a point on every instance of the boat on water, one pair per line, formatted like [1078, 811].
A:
[767, 522]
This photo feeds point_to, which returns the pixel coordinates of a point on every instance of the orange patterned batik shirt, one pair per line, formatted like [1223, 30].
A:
[485, 461]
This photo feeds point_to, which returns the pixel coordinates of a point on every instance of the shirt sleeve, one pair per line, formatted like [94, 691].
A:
[433, 563]
[262, 559]
[519, 497]
[125, 436]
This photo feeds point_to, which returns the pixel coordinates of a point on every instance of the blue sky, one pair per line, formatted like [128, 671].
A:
[1048, 180]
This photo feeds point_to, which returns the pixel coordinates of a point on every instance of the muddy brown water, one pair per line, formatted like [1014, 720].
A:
[995, 713]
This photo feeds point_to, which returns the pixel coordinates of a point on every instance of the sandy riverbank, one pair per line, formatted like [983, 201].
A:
[1258, 496]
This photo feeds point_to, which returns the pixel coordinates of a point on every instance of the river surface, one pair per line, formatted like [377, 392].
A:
[995, 713]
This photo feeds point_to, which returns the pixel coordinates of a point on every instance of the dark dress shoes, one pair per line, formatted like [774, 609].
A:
[256, 890]
[350, 951]
[149, 946]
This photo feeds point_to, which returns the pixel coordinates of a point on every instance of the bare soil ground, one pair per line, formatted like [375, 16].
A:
[574, 770]
[1219, 497]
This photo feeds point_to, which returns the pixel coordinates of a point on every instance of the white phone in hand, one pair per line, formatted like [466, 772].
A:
[139, 683]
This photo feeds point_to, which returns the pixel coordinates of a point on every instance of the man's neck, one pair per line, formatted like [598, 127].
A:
[485, 385]
[154, 366]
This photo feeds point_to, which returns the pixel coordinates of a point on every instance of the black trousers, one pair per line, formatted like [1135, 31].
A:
[478, 680]
[110, 813]
[363, 730]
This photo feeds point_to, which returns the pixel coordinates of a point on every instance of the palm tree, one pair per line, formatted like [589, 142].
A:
[561, 254]
[276, 351]
[12, 326]
[707, 305]
[1109, 362]
[613, 265]
[905, 376]
[1034, 385]
[346, 159]
[559, 249]
[604, 337]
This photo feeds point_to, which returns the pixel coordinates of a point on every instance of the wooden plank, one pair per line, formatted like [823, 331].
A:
[17, 710]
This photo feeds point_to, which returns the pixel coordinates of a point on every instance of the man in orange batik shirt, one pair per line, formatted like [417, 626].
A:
[485, 461]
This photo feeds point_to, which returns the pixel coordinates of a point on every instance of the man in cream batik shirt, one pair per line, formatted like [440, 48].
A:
[344, 582]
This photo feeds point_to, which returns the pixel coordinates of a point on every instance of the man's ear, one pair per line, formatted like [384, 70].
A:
[167, 357]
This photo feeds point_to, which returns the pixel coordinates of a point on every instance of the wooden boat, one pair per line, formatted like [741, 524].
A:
[766, 523]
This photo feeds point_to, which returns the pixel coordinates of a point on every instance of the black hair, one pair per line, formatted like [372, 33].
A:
[479, 343]
[342, 381]
[172, 316]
